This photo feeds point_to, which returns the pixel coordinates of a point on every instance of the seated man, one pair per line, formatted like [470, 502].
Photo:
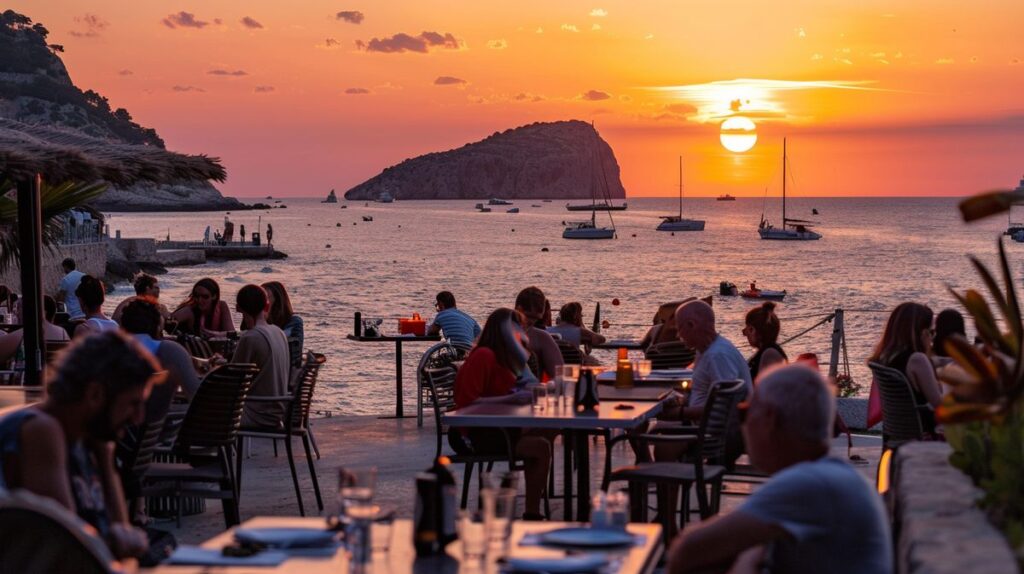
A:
[815, 514]
[459, 328]
[63, 447]
[717, 358]
[145, 286]
[531, 302]
[11, 342]
[266, 346]
[142, 319]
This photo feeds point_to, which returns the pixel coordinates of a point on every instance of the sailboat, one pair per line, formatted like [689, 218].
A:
[792, 229]
[677, 222]
[589, 229]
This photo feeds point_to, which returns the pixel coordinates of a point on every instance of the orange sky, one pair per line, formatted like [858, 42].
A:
[878, 98]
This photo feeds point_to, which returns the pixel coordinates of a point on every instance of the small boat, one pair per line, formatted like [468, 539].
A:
[513, 210]
[725, 197]
[596, 206]
[792, 229]
[546, 200]
[678, 222]
[331, 198]
[385, 197]
[535, 205]
[587, 230]
[756, 293]
[1013, 228]
[814, 211]
[270, 197]
[367, 218]
[497, 201]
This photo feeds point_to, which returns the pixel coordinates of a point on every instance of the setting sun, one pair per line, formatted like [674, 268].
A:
[738, 134]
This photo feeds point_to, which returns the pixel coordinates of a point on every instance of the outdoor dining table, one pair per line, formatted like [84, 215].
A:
[641, 558]
[575, 425]
[397, 340]
[630, 344]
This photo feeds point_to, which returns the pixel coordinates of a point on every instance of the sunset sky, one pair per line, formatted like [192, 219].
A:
[876, 97]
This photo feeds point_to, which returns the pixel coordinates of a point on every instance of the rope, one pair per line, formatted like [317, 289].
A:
[811, 328]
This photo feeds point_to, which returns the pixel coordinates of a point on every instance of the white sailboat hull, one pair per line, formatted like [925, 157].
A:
[788, 234]
[588, 233]
[678, 224]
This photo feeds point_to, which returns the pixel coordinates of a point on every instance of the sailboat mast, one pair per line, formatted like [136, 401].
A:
[783, 183]
[680, 187]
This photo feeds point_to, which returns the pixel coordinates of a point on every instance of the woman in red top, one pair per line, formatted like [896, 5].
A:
[489, 375]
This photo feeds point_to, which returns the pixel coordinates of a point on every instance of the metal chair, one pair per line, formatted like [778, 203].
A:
[901, 415]
[206, 440]
[40, 535]
[441, 385]
[703, 467]
[440, 355]
[296, 424]
[670, 355]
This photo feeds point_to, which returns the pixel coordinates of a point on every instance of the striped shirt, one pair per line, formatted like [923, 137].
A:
[457, 326]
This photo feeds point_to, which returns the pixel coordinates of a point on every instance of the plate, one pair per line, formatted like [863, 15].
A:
[562, 565]
[285, 537]
[587, 537]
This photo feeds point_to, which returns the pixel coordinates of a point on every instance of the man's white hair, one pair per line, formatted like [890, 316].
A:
[803, 401]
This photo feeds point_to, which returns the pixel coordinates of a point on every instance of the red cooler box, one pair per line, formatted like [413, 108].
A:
[414, 326]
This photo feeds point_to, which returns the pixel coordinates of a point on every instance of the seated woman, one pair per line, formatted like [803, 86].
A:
[489, 376]
[905, 346]
[282, 315]
[570, 328]
[948, 323]
[203, 313]
[762, 332]
[91, 294]
[11, 342]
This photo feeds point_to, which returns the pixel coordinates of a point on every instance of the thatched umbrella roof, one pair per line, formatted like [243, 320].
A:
[66, 155]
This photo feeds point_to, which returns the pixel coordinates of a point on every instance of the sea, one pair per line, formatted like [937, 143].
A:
[874, 254]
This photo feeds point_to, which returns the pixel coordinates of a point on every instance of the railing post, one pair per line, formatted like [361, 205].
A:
[837, 343]
[30, 238]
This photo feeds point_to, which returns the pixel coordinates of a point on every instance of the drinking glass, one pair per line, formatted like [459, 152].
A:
[472, 534]
[571, 372]
[552, 391]
[642, 367]
[499, 513]
[540, 396]
[356, 486]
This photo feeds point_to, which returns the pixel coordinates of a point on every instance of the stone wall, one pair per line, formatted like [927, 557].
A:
[91, 259]
[940, 528]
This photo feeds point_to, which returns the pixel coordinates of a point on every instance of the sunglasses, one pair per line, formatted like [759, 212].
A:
[741, 411]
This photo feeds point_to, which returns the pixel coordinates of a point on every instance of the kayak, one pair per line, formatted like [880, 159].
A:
[763, 294]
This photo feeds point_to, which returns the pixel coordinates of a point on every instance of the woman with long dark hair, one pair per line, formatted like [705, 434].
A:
[203, 312]
[489, 376]
[761, 329]
[906, 346]
[282, 315]
[91, 295]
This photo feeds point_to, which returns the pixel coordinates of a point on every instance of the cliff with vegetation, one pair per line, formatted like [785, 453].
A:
[35, 88]
[557, 160]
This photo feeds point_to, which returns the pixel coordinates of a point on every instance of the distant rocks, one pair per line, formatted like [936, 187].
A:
[563, 160]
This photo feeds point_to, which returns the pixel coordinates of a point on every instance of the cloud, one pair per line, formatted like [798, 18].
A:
[125, 72]
[329, 44]
[680, 108]
[816, 56]
[539, 30]
[401, 42]
[350, 16]
[449, 81]
[649, 37]
[184, 20]
[222, 72]
[187, 89]
[218, 21]
[525, 97]
[595, 27]
[625, 98]
[594, 95]
[599, 13]
[357, 91]
[263, 89]
[92, 26]
[251, 23]
[944, 61]
[800, 33]
[500, 44]
[570, 28]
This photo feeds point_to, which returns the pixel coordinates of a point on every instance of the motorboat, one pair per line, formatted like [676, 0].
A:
[596, 206]
[792, 229]
[497, 201]
[513, 210]
[385, 197]
[754, 292]
[678, 222]
[1015, 229]
[367, 218]
[725, 197]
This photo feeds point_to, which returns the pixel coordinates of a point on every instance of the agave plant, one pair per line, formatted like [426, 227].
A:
[55, 199]
[989, 203]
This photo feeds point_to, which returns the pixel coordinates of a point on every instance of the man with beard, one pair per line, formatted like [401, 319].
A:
[63, 447]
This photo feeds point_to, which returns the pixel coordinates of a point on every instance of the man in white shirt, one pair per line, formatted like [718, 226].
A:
[717, 358]
[68, 286]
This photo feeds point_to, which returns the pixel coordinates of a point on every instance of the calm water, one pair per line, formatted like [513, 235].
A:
[874, 254]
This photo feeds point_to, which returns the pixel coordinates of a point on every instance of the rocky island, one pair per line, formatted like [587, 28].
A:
[35, 88]
[556, 160]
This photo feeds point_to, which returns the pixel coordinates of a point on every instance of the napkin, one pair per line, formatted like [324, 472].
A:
[197, 556]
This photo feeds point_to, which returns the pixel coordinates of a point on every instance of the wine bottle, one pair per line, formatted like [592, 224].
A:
[446, 506]
[425, 537]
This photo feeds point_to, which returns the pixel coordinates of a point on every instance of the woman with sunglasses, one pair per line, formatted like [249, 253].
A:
[761, 329]
[905, 346]
[489, 375]
[203, 313]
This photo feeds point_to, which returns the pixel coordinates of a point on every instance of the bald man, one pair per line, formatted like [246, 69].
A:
[717, 358]
[817, 513]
